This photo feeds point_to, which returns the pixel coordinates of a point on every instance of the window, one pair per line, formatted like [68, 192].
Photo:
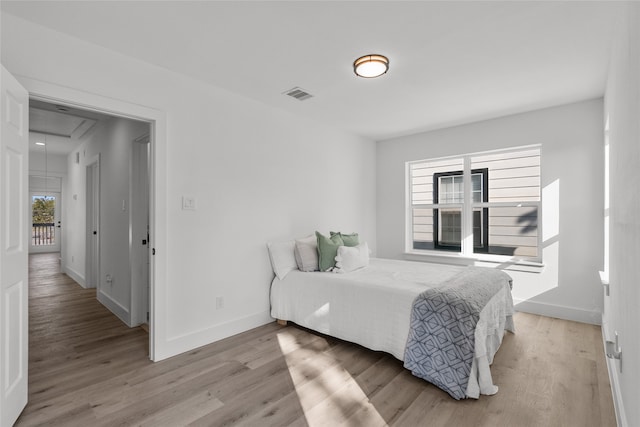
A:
[447, 222]
[43, 229]
[497, 215]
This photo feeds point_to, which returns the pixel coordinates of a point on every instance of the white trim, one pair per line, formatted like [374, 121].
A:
[115, 307]
[46, 91]
[502, 262]
[592, 317]
[180, 344]
[466, 239]
[477, 153]
[614, 379]
[79, 278]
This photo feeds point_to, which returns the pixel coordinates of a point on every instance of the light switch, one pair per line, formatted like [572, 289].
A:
[188, 203]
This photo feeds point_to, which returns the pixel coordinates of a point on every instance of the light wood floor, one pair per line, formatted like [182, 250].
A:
[86, 368]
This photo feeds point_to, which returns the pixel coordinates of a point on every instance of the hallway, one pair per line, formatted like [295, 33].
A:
[74, 342]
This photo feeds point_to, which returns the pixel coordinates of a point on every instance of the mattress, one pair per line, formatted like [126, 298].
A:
[371, 307]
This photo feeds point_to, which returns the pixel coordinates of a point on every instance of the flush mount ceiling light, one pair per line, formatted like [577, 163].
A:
[370, 66]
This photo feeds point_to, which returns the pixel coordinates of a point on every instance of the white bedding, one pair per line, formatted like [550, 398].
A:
[372, 307]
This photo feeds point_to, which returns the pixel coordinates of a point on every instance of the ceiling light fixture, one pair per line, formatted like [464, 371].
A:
[40, 143]
[370, 66]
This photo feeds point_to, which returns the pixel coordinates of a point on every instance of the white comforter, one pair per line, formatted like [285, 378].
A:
[372, 307]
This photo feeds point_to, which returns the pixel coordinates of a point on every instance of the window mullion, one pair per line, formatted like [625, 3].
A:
[467, 211]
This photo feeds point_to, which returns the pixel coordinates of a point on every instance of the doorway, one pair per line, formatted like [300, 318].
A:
[45, 222]
[140, 306]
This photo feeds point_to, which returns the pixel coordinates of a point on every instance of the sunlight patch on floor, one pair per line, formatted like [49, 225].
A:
[327, 393]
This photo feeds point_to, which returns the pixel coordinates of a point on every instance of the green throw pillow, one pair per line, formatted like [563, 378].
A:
[327, 250]
[348, 239]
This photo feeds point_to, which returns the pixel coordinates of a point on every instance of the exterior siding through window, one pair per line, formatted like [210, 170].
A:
[504, 203]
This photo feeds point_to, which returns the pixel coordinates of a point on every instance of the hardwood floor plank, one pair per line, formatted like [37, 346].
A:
[86, 368]
[394, 398]
[137, 410]
[119, 398]
[184, 412]
[427, 407]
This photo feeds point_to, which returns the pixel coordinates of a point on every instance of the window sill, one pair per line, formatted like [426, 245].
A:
[480, 260]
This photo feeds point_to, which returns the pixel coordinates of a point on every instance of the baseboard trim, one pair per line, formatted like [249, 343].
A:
[115, 307]
[79, 278]
[558, 311]
[614, 379]
[180, 344]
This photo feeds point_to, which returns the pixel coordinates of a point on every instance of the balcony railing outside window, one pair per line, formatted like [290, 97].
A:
[43, 234]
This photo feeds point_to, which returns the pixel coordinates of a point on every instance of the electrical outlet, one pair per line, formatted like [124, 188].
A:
[219, 303]
[188, 203]
[613, 350]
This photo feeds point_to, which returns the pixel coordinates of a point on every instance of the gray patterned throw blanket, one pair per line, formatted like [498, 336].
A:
[441, 342]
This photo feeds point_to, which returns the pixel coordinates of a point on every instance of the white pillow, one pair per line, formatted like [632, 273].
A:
[352, 258]
[282, 257]
[306, 253]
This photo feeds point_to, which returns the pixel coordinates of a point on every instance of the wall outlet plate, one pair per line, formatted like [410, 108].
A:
[188, 203]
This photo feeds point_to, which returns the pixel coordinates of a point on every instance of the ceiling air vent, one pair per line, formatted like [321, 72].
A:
[298, 93]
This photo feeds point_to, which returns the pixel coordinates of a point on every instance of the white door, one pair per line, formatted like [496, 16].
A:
[46, 224]
[14, 247]
[93, 225]
[140, 231]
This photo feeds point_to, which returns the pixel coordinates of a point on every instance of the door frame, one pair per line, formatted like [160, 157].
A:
[159, 345]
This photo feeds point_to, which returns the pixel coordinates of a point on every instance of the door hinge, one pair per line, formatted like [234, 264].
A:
[153, 251]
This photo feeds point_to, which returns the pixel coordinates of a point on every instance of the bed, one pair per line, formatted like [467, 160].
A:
[375, 307]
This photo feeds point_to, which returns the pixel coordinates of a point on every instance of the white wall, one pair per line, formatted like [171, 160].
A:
[42, 163]
[74, 231]
[571, 138]
[257, 174]
[623, 305]
[56, 164]
[42, 159]
[111, 140]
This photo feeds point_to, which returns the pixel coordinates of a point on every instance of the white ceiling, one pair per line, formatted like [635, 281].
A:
[451, 62]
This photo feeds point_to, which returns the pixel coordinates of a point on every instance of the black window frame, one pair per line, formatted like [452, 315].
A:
[484, 246]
